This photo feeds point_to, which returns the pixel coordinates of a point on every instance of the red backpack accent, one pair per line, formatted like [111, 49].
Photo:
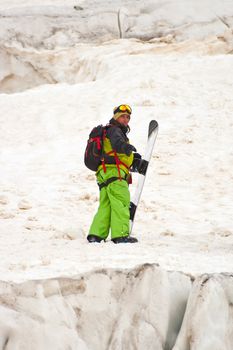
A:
[94, 150]
[94, 155]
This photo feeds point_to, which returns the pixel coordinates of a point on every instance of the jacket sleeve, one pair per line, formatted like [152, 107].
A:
[119, 141]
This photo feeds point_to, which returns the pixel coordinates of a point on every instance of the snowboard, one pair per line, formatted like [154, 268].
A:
[152, 134]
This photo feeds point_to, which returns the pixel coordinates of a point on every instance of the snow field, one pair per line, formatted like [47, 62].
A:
[173, 290]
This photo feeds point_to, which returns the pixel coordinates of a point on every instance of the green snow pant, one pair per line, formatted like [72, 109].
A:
[113, 211]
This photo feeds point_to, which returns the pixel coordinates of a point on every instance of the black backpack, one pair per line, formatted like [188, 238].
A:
[94, 149]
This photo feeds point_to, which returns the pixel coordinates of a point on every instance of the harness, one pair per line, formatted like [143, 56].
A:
[110, 180]
[117, 160]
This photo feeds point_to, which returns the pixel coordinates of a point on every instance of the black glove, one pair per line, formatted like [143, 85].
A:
[129, 149]
[139, 166]
[137, 156]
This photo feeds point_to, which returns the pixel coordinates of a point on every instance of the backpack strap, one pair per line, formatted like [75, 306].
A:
[102, 154]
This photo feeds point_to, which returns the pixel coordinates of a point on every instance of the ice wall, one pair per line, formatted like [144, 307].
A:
[66, 23]
[42, 44]
[208, 320]
[141, 308]
[24, 68]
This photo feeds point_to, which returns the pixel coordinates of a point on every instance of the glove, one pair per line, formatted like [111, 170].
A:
[137, 156]
[130, 149]
[139, 166]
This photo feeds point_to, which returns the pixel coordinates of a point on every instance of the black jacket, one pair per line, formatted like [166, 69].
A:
[117, 134]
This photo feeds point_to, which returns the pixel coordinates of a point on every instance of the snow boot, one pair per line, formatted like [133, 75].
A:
[94, 239]
[126, 239]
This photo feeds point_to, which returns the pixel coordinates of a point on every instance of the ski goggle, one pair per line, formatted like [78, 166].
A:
[123, 108]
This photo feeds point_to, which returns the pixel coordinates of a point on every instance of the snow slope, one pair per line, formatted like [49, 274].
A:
[186, 204]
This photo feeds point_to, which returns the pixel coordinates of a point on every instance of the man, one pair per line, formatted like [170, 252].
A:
[113, 177]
